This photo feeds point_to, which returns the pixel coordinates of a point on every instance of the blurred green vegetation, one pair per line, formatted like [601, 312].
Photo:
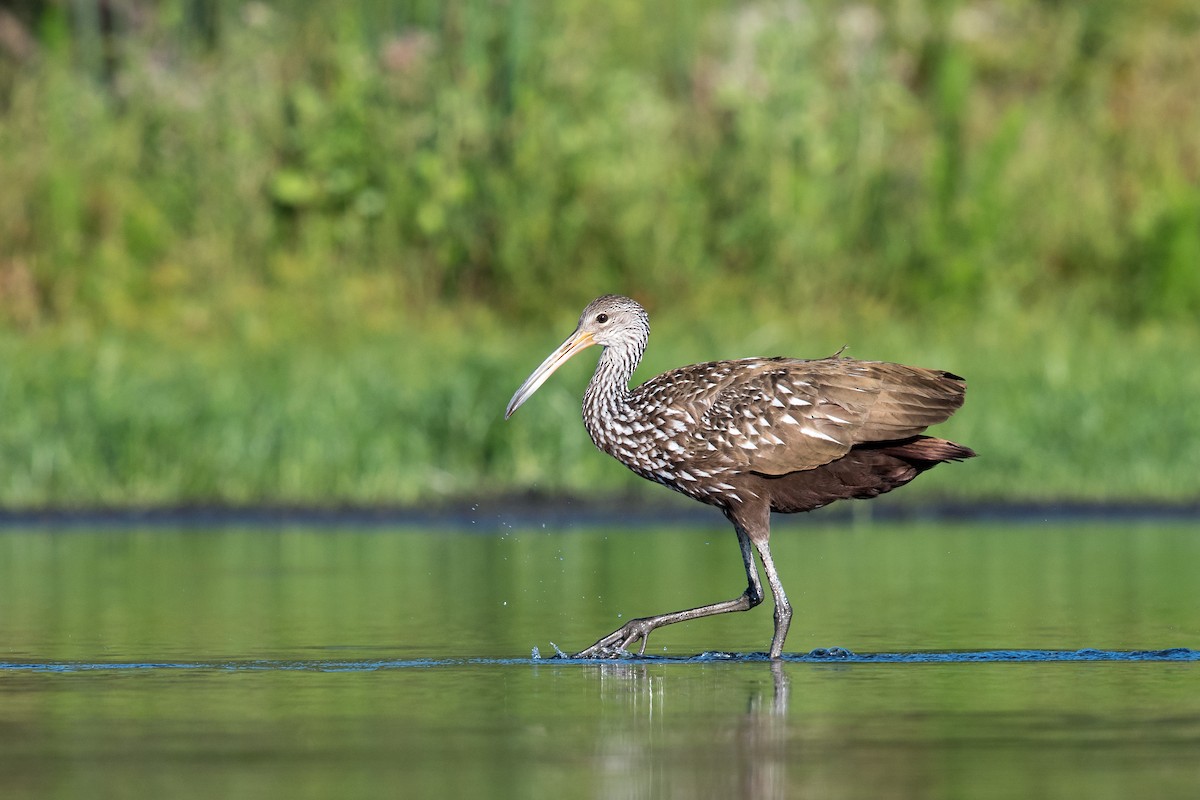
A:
[304, 252]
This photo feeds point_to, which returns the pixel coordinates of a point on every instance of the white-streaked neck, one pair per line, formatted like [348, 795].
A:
[606, 400]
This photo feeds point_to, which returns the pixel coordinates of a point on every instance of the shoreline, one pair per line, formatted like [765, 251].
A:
[560, 512]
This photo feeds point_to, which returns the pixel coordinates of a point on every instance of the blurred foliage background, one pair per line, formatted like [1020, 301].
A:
[303, 252]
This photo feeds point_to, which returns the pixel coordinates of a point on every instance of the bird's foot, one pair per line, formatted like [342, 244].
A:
[617, 643]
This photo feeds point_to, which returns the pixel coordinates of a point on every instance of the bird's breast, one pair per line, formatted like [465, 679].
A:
[656, 446]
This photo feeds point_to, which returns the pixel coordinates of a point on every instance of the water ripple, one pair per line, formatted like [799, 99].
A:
[832, 655]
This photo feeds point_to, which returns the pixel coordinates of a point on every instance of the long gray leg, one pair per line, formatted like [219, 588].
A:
[783, 609]
[619, 641]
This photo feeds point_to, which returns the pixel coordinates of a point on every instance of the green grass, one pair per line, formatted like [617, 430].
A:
[306, 255]
[1055, 412]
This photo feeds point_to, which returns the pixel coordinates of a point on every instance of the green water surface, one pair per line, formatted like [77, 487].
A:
[396, 663]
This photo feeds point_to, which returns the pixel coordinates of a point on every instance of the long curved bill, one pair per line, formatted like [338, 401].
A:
[574, 344]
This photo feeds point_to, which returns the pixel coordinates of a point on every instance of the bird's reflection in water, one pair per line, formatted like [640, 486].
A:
[664, 727]
[762, 739]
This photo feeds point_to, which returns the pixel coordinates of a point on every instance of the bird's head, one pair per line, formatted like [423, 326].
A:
[609, 321]
[613, 320]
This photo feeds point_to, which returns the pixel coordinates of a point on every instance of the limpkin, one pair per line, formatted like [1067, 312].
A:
[752, 436]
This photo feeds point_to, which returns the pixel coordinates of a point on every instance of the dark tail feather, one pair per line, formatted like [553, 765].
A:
[866, 471]
[924, 452]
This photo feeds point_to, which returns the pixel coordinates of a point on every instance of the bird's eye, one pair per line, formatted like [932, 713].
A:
[602, 318]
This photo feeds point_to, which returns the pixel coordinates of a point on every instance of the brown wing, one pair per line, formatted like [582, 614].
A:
[781, 415]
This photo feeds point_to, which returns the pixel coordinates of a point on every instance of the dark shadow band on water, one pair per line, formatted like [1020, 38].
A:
[556, 513]
[834, 655]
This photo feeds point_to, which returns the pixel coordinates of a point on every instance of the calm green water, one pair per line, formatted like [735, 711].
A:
[314, 663]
